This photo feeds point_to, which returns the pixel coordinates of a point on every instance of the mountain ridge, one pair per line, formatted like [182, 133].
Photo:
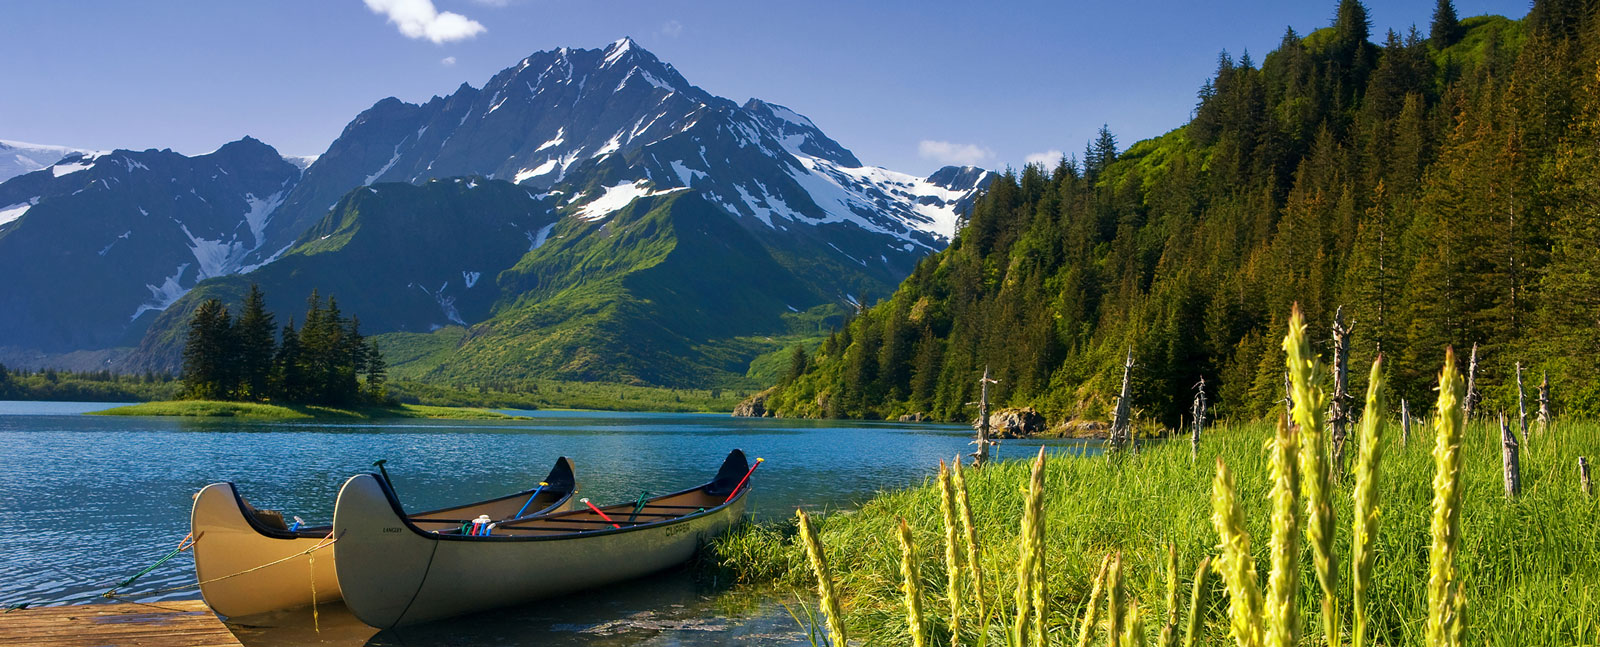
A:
[576, 143]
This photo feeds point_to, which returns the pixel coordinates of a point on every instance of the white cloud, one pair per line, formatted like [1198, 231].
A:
[1048, 158]
[420, 19]
[448, 61]
[672, 29]
[952, 153]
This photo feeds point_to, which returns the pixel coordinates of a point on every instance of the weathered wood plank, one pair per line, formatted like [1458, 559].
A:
[185, 623]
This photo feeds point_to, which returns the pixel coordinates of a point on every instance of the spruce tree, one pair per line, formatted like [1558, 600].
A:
[798, 362]
[208, 363]
[377, 375]
[289, 375]
[1446, 29]
[253, 335]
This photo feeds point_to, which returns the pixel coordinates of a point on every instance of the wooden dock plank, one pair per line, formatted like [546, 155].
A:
[183, 623]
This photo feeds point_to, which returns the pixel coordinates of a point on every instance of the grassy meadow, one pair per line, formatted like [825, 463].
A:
[1530, 566]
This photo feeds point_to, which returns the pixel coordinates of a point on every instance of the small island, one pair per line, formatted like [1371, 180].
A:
[325, 370]
[262, 411]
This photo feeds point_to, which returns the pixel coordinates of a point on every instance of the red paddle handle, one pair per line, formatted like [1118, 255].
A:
[598, 512]
[759, 461]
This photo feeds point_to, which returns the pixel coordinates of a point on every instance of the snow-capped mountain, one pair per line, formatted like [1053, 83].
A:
[617, 123]
[595, 142]
[17, 158]
[93, 242]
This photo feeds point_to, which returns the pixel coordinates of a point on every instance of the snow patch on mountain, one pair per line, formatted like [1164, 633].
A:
[388, 166]
[447, 304]
[113, 242]
[164, 294]
[554, 141]
[17, 158]
[537, 239]
[617, 197]
[15, 211]
[260, 211]
[59, 170]
[530, 173]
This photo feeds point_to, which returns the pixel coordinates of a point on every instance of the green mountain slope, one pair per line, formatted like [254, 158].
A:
[658, 293]
[1441, 188]
[401, 257]
[472, 281]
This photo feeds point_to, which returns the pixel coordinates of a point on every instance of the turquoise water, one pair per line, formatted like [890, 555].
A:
[87, 500]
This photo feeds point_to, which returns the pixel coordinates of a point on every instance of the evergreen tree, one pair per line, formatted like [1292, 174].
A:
[798, 363]
[209, 365]
[289, 382]
[1099, 153]
[377, 389]
[253, 336]
[1446, 29]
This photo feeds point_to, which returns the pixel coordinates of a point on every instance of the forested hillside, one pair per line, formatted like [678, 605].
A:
[1443, 187]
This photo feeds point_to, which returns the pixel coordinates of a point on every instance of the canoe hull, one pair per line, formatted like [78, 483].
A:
[395, 576]
[226, 543]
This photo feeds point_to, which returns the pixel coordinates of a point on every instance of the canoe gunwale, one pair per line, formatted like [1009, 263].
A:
[563, 468]
[394, 503]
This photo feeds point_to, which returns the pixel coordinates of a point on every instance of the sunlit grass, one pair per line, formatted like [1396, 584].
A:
[1531, 565]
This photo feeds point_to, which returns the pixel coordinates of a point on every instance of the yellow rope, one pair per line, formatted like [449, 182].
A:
[326, 542]
[311, 558]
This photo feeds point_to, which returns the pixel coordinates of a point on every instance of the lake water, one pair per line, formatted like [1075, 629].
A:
[86, 501]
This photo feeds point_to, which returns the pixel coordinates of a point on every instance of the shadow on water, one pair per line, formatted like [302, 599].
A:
[669, 608]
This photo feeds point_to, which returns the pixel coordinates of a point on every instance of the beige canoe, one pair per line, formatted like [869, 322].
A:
[395, 572]
[249, 562]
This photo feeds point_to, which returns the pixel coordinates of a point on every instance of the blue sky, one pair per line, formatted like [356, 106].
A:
[906, 84]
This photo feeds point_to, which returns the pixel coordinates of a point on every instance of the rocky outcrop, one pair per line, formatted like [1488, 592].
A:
[1015, 422]
[1081, 429]
[755, 406]
[915, 417]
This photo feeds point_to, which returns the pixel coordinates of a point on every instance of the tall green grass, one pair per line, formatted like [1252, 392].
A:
[1528, 568]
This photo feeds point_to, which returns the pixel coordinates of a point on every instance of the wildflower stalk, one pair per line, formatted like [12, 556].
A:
[1114, 602]
[970, 531]
[1030, 551]
[1091, 613]
[912, 587]
[1197, 602]
[1445, 530]
[1283, 582]
[952, 553]
[1234, 563]
[1169, 629]
[819, 567]
[1135, 632]
[1310, 408]
[1364, 527]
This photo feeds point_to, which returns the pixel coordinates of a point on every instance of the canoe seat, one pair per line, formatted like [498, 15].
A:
[272, 519]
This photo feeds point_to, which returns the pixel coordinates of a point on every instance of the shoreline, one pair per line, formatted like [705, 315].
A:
[262, 411]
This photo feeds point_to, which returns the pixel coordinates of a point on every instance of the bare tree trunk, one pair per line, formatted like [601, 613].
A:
[981, 455]
[1544, 403]
[1199, 413]
[1522, 407]
[1405, 424]
[1339, 406]
[1471, 401]
[1121, 426]
[1583, 476]
[1508, 444]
